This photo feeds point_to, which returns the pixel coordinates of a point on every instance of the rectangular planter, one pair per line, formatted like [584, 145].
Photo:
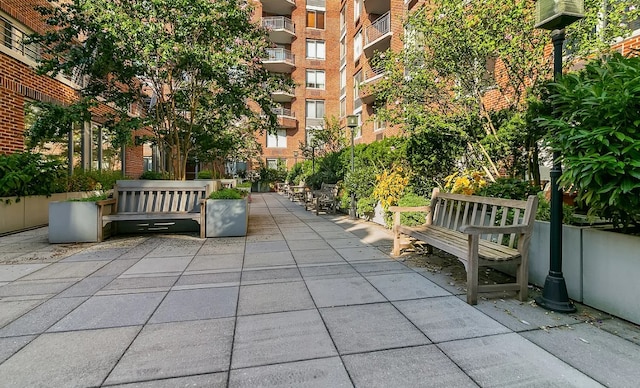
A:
[611, 273]
[73, 222]
[572, 248]
[226, 217]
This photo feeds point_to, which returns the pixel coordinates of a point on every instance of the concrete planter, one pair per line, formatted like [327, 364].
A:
[571, 257]
[611, 268]
[73, 222]
[226, 217]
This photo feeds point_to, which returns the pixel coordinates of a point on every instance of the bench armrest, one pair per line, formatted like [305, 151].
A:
[472, 229]
[404, 209]
[105, 202]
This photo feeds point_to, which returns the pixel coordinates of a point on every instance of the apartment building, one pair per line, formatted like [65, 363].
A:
[326, 47]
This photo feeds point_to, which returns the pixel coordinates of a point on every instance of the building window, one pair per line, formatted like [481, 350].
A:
[315, 79]
[343, 107]
[343, 51]
[343, 81]
[277, 139]
[357, 10]
[13, 38]
[315, 109]
[315, 49]
[343, 21]
[6, 32]
[276, 163]
[357, 46]
[315, 19]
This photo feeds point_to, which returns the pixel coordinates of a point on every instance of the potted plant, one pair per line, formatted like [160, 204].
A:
[227, 213]
[77, 220]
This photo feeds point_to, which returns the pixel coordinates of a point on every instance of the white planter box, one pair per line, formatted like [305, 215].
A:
[611, 273]
[539, 252]
[73, 222]
[226, 217]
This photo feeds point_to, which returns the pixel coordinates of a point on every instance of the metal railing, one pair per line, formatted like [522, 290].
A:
[279, 55]
[380, 27]
[278, 23]
[13, 38]
[283, 112]
[372, 74]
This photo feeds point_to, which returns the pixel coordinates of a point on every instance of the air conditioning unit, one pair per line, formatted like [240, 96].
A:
[557, 14]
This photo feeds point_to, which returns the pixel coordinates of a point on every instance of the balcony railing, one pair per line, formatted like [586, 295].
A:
[279, 55]
[373, 74]
[378, 28]
[283, 112]
[278, 23]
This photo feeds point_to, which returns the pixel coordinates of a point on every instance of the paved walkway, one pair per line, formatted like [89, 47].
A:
[302, 301]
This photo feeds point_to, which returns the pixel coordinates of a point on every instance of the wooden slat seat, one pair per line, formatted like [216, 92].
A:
[326, 198]
[479, 231]
[156, 204]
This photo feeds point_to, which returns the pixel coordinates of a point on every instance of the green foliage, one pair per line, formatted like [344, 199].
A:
[24, 173]
[228, 193]
[245, 185]
[366, 205]
[510, 188]
[543, 213]
[596, 128]
[93, 198]
[296, 172]
[205, 174]
[82, 180]
[271, 175]
[412, 218]
[154, 175]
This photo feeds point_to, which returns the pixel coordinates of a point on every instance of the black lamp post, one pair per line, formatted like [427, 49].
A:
[352, 123]
[555, 15]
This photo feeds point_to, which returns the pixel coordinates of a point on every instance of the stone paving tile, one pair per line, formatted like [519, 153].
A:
[383, 267]
[621, 329]
[370, 327]
[96, 255]
[116, 267]
[203, 303]
[66, 270]
[268, 259]
[331, 270]
[9, 273]
[10, 345]
[86, 287]
[174, 250]
[11, 310]
[257, 276]
[509, 360]
[400, 286]
[280, 337]
[317, 256]
[39, 319]
[159, 265]
[304, 236]
[343, 291]
[141, 283]
[346, 242]
[35, 288]
[216, 262]
[303, 245]
[110, 311]
[362, 254]
[448, 318]
[264, 236]
[67, 359]
[266, 246]
[583, 346]
[321, 373]
[421, 366]
[276, 297]
[176, 349]
[209, 279]
[210, 380]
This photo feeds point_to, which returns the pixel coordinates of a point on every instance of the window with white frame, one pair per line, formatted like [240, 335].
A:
[277, 139]
[357, 79]
[358, 129]
[315, 19]
[357, 10]
[276, 163]
[315, 79]
[13, 38]
[315, 49]
[343, 107]
[357, 45]
[343, 20]
[315, 109]
[343, 51]
[343, 81]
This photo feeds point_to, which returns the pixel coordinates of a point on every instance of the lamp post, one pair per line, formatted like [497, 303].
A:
[555, 15]
[295, 157]
[352, 123]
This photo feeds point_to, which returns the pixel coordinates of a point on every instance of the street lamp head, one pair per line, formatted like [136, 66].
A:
[352, 121]
[295, 154]
[557, 14]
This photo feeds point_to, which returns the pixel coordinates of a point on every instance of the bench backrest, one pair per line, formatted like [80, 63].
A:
[452, 211]
[160, 196]
[330, 189]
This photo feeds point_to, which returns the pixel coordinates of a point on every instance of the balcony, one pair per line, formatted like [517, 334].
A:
[377, 7]
[286, 118]
[279, 60]
[283, 96]
[377, 36]
[367, 94]
[278, 7]
[281, 29]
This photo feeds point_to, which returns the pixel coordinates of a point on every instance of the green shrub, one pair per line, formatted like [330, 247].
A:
[412, 218]
[205, 174]
[231, 193]
[92, 198]
[153, 175]
[366, 206]
[24, 173]
[246, 184]
[510, 188]
[92, 180]
[543, 213]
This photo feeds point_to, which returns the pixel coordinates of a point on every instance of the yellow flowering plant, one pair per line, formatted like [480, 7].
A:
[390, 185]
[467, 182]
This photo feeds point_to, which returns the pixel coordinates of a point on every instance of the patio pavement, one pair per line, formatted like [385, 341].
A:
[302, 301]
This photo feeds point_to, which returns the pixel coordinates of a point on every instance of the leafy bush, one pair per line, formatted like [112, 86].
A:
[543, 213]
[228, 193]
[92, 198]
[510, 188]
[153, 175]
[205, 174]
[24, 173]
[366, 206]
[412, 218]
[390, 186]
[597, 131]
[92, 180]
[246, 184]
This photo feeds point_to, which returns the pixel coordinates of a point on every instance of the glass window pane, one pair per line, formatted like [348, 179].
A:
[320, 20]
[311, 48]
[320, 50]
[320, 79]
[311, 19]
[319, 109]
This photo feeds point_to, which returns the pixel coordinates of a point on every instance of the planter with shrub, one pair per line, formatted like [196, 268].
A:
[227, 213]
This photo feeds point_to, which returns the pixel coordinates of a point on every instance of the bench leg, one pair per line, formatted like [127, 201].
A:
[522, 280]
[396, 243]
[472, 270]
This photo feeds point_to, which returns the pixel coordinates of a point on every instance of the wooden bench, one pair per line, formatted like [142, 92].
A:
[298, 192]
[324, 199]
[479, 231]
[156, 205]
